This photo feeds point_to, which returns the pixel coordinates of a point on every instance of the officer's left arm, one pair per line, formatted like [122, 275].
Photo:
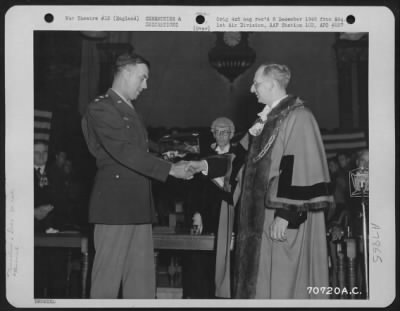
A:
[112, 135]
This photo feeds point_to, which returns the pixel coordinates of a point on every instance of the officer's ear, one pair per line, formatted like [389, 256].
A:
[127, 71]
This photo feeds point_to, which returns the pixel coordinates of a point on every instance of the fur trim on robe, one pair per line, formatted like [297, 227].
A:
[286, 167]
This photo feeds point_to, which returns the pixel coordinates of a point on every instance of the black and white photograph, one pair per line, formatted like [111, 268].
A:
[206, 164]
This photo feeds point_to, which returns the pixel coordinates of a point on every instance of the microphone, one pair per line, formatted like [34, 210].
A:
[359, 182]
[359, 187]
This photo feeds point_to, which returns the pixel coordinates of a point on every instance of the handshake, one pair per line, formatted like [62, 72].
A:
[186, 169]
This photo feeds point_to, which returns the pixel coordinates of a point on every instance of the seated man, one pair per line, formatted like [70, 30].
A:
[49, 264]
[214, 211]
[43, 196]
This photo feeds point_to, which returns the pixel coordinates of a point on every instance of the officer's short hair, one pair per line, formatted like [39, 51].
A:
[129, 59]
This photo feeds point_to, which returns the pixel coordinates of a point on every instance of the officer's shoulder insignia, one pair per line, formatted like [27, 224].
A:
[100, 98]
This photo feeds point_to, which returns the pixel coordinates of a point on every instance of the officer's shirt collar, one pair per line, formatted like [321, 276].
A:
[128, 102]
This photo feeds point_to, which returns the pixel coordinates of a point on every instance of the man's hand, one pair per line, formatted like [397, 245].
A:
[180, 170]
[278, 228]
[42, 211]
[197, 166]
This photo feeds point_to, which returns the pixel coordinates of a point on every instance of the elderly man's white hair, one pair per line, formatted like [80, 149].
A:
[281, 73]
[223, 122]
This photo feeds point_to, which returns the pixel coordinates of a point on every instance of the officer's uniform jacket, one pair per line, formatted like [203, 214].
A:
[117, 138]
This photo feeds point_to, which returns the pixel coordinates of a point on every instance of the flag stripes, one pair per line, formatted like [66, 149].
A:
[42, 124]
[43, 113]
[349, 142]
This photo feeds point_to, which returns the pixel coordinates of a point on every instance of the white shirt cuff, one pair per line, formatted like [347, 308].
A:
[205, 172]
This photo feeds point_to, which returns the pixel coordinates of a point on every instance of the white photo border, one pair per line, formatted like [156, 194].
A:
[22, 21]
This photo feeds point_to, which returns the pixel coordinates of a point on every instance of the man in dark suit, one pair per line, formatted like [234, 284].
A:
[218, 189]
[121, 204]
[214, 211]
[43, 198]
[49, 264]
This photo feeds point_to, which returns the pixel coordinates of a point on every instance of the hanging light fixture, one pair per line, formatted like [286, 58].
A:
[231, 55]
[95, 35]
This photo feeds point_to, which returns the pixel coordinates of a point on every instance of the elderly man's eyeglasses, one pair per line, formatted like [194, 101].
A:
[221, 133]
[256, 84]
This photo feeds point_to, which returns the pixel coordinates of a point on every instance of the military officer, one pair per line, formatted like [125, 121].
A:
[121, 204]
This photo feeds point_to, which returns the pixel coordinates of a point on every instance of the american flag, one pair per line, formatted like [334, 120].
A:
[42, 124]
[349, 142]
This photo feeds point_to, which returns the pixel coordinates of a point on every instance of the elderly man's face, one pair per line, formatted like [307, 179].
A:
[40, 154]
[222, 136]
[262, 87]
[136, 78]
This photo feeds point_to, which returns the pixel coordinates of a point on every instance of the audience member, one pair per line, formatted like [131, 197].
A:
[340, 188]
[49, 265]
[345, 161]
[43, 193]
[363, 159]
[56, 167]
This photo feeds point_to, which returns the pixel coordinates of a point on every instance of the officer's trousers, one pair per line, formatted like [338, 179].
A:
[124, 257]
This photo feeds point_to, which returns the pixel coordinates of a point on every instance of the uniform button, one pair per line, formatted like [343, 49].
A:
[116, 176]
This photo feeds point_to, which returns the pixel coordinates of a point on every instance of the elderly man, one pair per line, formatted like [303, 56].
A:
[281, 243]
[121, 205]
[218, 189]
[207, 275]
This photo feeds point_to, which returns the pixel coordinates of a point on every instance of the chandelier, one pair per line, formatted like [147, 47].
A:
[231, 55]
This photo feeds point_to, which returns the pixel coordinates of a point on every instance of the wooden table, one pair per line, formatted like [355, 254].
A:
[162, 240]
[68, 240]
[180, 241]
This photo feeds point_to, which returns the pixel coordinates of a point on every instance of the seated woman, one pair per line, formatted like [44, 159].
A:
[199, 267]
